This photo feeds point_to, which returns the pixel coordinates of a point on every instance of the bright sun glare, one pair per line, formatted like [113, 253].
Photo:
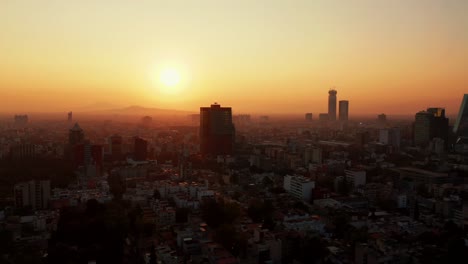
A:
[169, 77]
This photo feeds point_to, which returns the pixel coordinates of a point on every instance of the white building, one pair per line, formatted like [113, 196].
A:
[299, 186]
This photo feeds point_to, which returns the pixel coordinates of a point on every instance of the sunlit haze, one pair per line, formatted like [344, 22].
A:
[265, 56]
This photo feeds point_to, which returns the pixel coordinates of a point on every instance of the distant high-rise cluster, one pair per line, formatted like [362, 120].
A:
[217, 131]
[343, 107]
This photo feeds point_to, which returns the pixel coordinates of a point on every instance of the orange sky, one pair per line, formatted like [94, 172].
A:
[265, 56]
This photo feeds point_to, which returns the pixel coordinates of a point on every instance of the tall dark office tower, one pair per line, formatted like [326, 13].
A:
[461, 124]
[440, 124]
[332, 104]
[308, 116]
[343, 110]
[116, 147]
[70, 116]
[140, 149]
[430, 124]
[76, 135]
[217, 131]
[422, 128]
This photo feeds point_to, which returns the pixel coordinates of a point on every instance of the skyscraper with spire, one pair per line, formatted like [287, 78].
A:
[332, 104]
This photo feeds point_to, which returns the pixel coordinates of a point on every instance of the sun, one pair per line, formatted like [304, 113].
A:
[169, 77]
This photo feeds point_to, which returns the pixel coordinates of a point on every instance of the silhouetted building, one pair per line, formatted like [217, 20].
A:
[362, 138]
[308, 116]
[422, 128]
[323, 117]
[21, 120]
[343, 110]
[390, 136]
[217, 132]
[461, 124]
[430, 124]
[440, 124]
[75, 135]
[70, 116]
[332, 104]
[88, 155]
[382, 118]
[116, 148]
[140, 149]
[35, 194]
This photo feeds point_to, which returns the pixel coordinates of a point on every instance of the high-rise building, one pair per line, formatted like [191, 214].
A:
[308, 116]
[343, 110]
[323, 117]
[422, 128]
[70, 116]
[440, 124]
[430, 124]
[332, 104]
[35, 194]
[76, 135]
[140, 149]
[461, 124]
[116, 149]
[217, 131]
[390, 136]
[299, 186]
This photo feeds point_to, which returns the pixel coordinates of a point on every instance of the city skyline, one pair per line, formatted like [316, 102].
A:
[257, 57]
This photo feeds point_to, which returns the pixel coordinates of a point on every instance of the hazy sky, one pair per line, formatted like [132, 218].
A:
[392, 56]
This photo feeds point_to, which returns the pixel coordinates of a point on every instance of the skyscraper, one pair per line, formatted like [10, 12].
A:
[461, 124]
[116, 150]
[76, 135]
[343, 110]
[217, 131]
[430, 124]
[332, 104]
[422, 128]
[440, 124]
[308, 116]
[70, 116]
[140, 149]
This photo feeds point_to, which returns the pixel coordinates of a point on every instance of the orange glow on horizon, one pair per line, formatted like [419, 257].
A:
[255, 56]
